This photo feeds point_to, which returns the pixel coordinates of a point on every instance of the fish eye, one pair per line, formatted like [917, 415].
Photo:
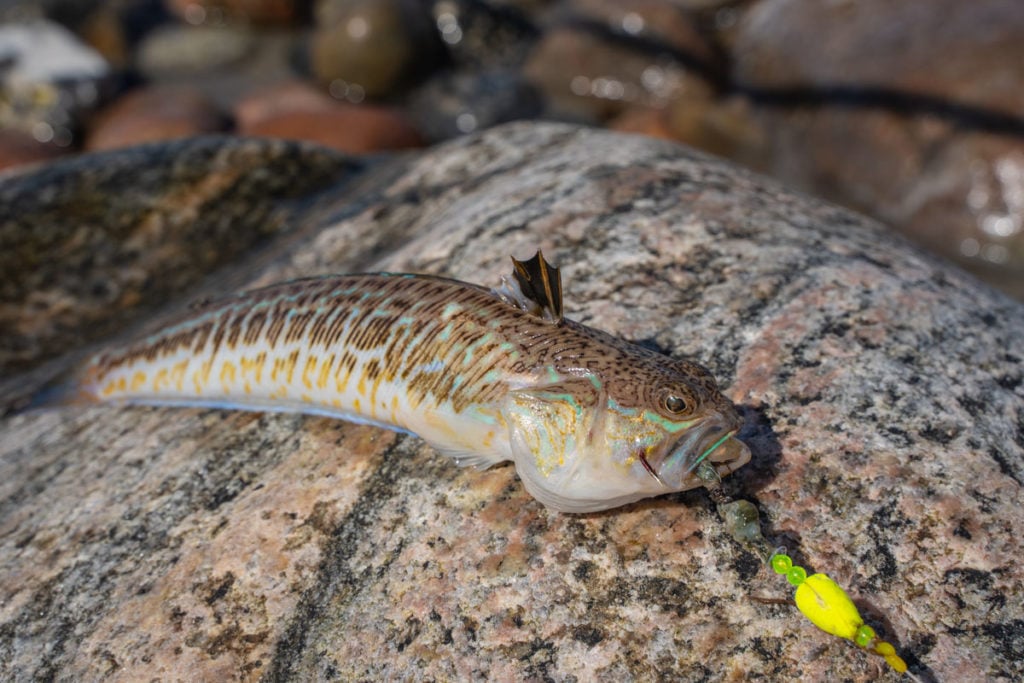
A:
[675, 404]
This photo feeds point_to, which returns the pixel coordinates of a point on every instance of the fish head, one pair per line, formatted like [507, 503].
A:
[592, 442]
[686, 420]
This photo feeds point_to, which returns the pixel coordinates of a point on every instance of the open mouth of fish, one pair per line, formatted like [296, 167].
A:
[713, 441]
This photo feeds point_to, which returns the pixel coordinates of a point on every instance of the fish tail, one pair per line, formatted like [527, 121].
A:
[66, 389]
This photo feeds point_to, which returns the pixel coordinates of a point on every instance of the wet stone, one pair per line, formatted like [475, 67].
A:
[49, 81]
[880, 387]
[296, 111]
[911, 111]
[88, 243]
[589, 76]
[151, 114]
[377, 46]
[456, 103]
[483, 35]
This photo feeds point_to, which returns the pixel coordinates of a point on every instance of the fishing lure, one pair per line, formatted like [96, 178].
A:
[818, 596]
[483, 375]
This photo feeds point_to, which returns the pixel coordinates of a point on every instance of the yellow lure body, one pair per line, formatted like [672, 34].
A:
[828, 606]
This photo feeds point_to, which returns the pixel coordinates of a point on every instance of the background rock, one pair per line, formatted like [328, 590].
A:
[272, 12]
[155, 113]
[588, 76]
[461, 102]
[296, 111]
[49, 80]
[911, 111]
[177, 49]
[378, 45]
[884, 399]
[18, 148]
[85, 244]
[483, 35]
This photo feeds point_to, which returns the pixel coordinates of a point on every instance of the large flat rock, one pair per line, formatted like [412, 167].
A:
[884, 399]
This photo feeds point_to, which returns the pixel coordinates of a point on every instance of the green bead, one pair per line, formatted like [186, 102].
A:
[865, 634]
[781, 563]
[796, 575]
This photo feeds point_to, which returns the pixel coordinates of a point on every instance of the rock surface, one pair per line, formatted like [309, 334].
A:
[49, 81]
[912, 111]
[885, 405]
[297, 111]
[150, 114]
[85, 244]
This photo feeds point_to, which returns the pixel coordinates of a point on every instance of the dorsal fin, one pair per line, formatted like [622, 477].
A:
[541, 283]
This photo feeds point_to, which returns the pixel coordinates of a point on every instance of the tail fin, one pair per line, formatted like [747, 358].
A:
[64, 389]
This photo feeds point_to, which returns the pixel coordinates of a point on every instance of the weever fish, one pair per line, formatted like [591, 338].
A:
[483, 375]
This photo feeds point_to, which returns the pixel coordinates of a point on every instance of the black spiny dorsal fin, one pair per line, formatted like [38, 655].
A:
[541, 283]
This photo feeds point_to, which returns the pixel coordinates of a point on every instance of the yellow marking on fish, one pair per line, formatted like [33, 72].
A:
[162, 378]
[341, 379]
[336, 403]
[138, 379]
[277, 369]
[261, 360]
[361, 387]
[227, 374]
[373, 396]
[438, 422]
[290, 366]
[178, 375]
[356, 405]
[308, 370]
[202, 376]
[108, 389]
[394, 408]
[306, 398]
[251, 365]
[325, 371]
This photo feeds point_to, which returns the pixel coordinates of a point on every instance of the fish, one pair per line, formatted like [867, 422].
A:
[483, 375]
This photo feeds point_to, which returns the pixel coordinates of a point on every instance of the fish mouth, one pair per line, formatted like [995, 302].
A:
[713, 440]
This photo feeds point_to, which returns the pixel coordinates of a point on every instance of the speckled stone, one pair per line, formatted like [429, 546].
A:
[910, 111]
[87, 243]
[884, 400]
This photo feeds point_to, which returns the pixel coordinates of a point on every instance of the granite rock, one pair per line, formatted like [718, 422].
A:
[159, 112]
[884, 398]
[296, 110]
[589, 75]
[911, 111]
[85, 245]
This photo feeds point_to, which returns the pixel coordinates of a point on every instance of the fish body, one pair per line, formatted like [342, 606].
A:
[591, 421]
